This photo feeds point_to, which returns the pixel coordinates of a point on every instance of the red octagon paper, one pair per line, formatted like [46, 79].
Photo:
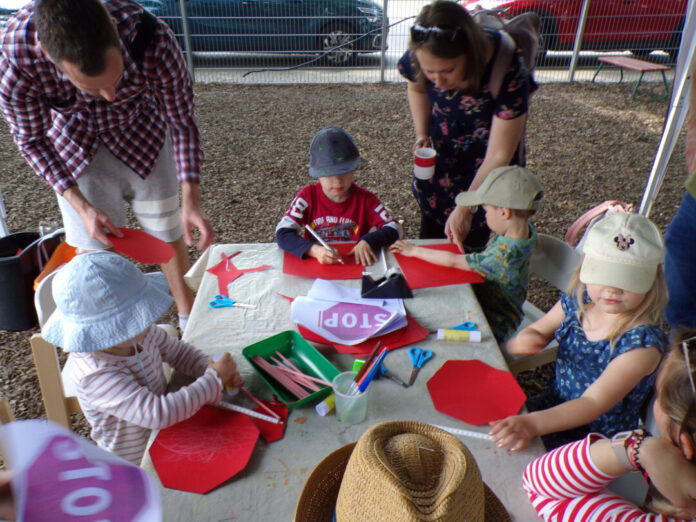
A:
[475, 392]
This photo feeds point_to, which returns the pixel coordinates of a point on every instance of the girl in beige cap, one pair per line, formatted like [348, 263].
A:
[609, 341]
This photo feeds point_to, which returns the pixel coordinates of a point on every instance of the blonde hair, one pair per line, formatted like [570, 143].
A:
[650, 307]
[676, 398]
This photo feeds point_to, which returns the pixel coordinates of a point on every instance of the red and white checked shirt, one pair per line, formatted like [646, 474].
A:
[123, 400]
[58, 128]
[564, 485]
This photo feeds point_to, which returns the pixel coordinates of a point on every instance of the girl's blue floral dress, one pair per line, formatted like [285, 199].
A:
[459, 127]
[580, 363]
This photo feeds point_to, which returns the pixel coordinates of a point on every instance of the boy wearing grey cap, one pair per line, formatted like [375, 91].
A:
[510, 196]
[335, 208]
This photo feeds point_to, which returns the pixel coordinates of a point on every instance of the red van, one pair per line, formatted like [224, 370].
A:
[641, 26]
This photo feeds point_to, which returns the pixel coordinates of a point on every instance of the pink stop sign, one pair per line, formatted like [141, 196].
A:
[351, 321]
[63, 485]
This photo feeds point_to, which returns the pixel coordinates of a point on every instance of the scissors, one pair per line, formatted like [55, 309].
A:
[418, 357]
[466, 325]
[384, 372]
[222, 301]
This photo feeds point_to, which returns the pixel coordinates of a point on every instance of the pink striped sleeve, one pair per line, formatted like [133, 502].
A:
[125, 398]
[182, 356]
[564, 485]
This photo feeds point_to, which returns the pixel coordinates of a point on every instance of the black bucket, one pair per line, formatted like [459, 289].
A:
[17, 274]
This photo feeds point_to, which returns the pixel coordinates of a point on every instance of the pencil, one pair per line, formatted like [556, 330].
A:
[324, 243]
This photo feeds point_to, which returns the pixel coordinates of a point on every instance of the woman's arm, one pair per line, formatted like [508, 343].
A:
[419, 104]
[616, 381]
[504, 140]
[537, 335]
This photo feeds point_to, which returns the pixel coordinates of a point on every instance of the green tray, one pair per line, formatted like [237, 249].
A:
[302, 354]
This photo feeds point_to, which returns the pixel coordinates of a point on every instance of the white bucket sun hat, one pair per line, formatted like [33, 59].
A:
[102, 300]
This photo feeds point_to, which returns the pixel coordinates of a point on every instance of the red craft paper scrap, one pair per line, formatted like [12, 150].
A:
[474, 392]
[270, 431]
[421, 274]
[226, 272]
[310, 267]
[142, 247]
[200, 453]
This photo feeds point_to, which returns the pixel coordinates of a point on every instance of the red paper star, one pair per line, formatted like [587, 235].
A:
[226, 272]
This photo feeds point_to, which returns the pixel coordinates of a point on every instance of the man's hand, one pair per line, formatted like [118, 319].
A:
[97, 223]
[363, 253]
[193, 217]
[517, 429]
[7, 508]
[458, 226]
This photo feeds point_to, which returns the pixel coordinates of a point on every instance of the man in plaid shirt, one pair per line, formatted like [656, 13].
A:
[100, 103]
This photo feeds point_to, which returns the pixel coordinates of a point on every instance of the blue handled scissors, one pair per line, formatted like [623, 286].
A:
[466, 325]
[418, 357]
[222, 301]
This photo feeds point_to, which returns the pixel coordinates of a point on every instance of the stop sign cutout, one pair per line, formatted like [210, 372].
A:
[474, 392]
[353, 321]
[64, 485]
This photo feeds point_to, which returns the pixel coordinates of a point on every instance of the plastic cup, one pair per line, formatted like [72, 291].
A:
[424, 162]
[351, 405]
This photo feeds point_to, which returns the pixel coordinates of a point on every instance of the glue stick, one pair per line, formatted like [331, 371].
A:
[326, 406]
[447, 334]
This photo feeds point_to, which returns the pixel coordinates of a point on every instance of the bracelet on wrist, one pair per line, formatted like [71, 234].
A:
[634, 453]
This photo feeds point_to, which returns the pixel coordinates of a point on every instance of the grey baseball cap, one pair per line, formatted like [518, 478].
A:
[509, 187]
[332, 152]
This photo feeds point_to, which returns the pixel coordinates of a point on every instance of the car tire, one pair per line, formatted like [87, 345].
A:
[339, 37]
[548, 37]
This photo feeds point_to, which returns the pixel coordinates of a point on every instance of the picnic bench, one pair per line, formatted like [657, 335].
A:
[634, 64]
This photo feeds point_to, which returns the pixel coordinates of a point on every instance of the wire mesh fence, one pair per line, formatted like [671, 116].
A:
[339, 41]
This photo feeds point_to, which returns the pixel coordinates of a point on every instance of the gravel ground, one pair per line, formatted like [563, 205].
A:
[587, 143]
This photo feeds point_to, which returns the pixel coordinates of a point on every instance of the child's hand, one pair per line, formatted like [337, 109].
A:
[323, 255]
[404, 248]
[363, 253]
[518, 429]
[226, 370]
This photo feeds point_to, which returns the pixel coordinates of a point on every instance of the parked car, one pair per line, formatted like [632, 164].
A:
[640, 26]
[339, 28]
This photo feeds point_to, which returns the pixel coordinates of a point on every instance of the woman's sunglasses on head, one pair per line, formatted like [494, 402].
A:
[440, 33]
[687, 345]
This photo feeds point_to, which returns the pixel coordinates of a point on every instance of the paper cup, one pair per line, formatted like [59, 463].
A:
[351, 405]
[424, 162]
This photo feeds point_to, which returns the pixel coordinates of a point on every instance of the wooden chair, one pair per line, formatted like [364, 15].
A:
[6, 414]
[554, 261]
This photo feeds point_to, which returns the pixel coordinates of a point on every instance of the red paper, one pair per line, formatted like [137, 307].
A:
[421, 274]
[205, 450]
[271, 431]
[411, 333]
[310, 267]
[474, 392]
[142, 247]
[226, 272]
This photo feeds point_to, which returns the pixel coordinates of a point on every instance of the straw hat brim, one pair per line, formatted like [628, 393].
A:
[318, 498]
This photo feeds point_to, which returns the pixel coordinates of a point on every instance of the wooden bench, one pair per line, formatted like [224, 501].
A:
[634, 64]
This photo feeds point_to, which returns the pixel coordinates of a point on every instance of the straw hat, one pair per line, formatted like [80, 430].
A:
[399, 470]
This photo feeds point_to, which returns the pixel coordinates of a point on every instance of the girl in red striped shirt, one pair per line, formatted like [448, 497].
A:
[568, 482]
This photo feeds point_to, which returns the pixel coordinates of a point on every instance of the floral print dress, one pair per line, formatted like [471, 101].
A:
[459, 127]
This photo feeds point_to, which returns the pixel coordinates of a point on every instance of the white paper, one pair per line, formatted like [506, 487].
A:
[340, 315]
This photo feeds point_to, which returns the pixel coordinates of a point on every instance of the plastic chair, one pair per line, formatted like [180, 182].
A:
[554, 261]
